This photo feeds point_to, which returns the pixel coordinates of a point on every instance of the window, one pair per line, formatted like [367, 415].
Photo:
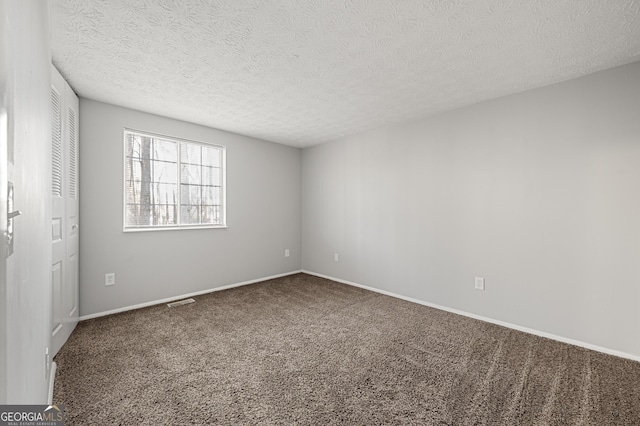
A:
[172, 183]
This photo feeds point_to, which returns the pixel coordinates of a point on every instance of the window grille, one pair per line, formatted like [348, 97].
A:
[172, 183]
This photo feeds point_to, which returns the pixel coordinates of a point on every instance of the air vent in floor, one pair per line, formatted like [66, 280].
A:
[180, 302]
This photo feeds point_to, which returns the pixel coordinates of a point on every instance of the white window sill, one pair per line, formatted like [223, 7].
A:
[173, 228]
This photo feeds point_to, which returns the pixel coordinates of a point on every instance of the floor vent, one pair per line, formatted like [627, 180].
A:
[180, 302]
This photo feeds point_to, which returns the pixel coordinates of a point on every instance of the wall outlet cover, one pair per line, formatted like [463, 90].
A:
[479, 283]
[109, 279]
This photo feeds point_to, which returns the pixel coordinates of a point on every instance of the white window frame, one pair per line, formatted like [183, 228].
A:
[178, 141]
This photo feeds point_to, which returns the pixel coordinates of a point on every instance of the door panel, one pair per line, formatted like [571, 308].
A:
[71, 302]
[72, 208]
[57, 220]
[65, 220]
[56, 299]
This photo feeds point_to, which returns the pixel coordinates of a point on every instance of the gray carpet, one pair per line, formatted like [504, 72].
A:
[304, 350]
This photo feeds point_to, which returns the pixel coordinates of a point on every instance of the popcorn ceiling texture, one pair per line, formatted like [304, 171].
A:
[307, 72]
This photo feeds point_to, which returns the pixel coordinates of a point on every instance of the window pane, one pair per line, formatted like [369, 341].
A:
[159, 171]
[132, 145]
[132, 169]
[190, 215]
[159, 215]
[136, 216]
[162, 171]
[150, 180]
[132, 215]
[146, 147]
[208, 215]
[158, 182]
[165, 214]
[190, 194]
[211, 156]
[207, 196]
[156, 193]
[132, 192]
[211, 176]
[164, 150]
[190, 174]
[210, 196]
[159, 193]
[190, 153]
[164, 193]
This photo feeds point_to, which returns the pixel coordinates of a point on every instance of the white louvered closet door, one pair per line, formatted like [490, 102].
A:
[65, 219]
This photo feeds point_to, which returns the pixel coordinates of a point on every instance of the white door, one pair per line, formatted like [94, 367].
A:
[64, 221]
[70, 289]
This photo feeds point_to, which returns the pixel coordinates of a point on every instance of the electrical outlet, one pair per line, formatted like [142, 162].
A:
[479, 283]
[336, 257]
[286, 252]
[110, 279]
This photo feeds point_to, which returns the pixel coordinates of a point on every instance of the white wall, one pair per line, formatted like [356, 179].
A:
[537, 192]
[263, 211]
[25, 294]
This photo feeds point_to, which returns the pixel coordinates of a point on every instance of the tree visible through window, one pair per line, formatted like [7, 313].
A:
[172, 182]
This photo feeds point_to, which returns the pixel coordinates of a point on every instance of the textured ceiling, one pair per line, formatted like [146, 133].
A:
[306, 72]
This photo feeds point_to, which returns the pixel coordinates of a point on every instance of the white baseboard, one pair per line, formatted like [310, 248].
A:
[486, 319]
[182, 296]
[52, 379]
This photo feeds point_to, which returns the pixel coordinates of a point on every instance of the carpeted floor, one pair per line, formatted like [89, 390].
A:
[304, 350]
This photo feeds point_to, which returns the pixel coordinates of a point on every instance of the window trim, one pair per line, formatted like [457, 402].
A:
[178, 140]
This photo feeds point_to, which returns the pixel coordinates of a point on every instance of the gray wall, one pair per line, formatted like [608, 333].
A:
[539, 193]
[263, 211]
[25, 292]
